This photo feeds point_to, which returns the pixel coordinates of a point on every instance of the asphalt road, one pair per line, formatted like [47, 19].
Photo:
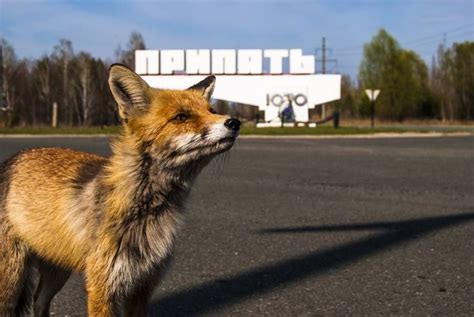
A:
[318, 228]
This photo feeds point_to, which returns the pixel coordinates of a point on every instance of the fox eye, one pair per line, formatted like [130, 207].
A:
[181, 117]
[211, 110]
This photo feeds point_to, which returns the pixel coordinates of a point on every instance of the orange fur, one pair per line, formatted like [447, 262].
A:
[114, 219]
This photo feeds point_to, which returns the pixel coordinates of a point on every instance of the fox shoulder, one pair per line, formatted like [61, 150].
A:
[54, 164]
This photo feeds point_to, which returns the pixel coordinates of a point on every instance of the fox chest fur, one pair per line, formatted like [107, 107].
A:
[146, 234]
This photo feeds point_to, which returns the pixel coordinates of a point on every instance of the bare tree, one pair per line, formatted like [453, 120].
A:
[452, 81]
[127, 56]
[84, 63]
[8, 68]
[42, 74]
[64, 53]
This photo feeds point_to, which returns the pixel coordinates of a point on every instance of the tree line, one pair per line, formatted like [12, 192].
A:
[77, 83]
[409, 88]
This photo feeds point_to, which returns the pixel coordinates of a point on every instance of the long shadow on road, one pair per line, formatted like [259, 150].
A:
[211, 296]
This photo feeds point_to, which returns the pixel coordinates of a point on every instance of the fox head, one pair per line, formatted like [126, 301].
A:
[178, 127]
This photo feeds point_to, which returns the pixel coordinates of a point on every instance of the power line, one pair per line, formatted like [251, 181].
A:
[352, 48]
[443, 33]
[433, 37]
[415, 44]
[440, 39]
[420, 47]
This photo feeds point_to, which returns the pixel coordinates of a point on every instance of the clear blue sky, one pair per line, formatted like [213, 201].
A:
[33, 27]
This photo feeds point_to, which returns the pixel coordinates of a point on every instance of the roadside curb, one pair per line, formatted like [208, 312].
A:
[362, 136]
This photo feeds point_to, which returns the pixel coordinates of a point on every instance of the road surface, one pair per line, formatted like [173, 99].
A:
[317, 227]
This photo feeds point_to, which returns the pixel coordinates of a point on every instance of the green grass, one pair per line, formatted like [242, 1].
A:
[321, 130]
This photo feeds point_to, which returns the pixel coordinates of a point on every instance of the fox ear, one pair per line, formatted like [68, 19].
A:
[130, 91]
[206, 86]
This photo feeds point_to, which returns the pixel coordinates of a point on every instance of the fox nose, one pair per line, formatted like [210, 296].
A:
[232, 124]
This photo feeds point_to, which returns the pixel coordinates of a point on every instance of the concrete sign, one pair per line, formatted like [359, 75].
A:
[241, 77]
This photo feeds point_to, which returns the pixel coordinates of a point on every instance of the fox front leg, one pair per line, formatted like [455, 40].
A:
[99, 303]
[99, 294]
[137, 304]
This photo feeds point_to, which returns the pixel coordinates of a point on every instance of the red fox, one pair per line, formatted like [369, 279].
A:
[114, 219]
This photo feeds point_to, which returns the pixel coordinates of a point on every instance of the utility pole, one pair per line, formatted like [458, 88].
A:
[54, 120]
[65, 84]
[2, 74]
[324, 60]
[323, 68]
[3, 85]
[324, 55]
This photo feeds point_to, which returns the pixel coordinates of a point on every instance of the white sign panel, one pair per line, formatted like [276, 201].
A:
[240, 77]
[372, 94]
